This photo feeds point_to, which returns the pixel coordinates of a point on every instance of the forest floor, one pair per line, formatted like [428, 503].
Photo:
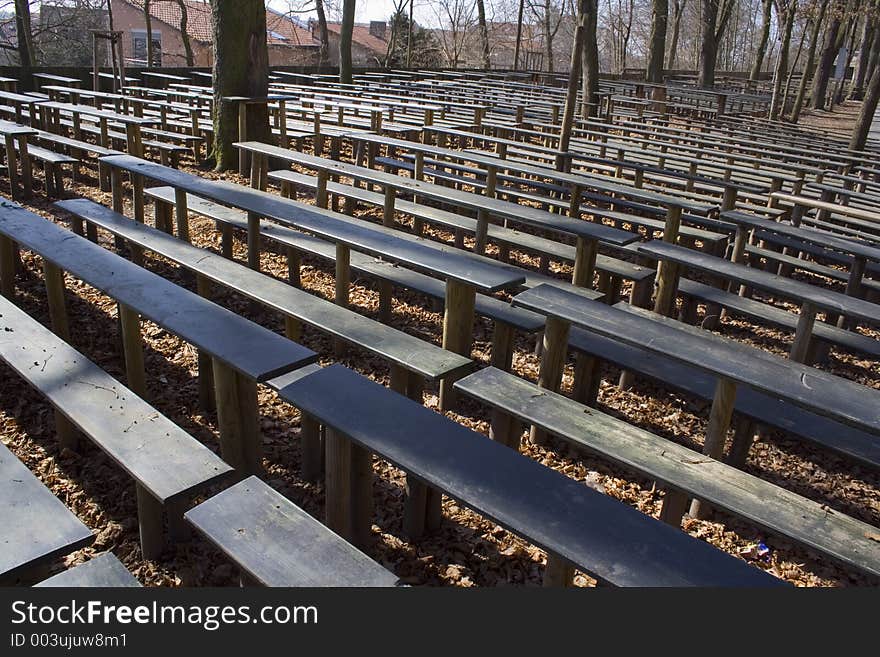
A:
[468, 550]
[840, 120]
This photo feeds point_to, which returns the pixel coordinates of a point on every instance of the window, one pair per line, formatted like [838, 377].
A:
[139, 47]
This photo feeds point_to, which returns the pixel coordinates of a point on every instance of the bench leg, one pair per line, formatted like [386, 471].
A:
[458, 331]
[505, 429]
[716, 432]
[385, 301]
[7, 267]
[133, 349]
[150, 522]
[361, 495]
[294, 266]
[743, 438]
[338, 484]
[206, 373]
[312, 448]
[555, 347]
[415, 508]
[225, 240]
[558, 572]
[674, 507]
[502, 346]
[343, 288]
[587, 377]
[179, 530]
[236, 398]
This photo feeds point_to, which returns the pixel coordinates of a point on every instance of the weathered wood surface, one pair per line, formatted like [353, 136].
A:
[808, 387]
[376, 240]
[37, 527]
[159, 455]
[252, 350]
[739, 493]
[102, 571]
[398, 347]
[600, 535]
[761, 280]
[278, 544]
[503, 209]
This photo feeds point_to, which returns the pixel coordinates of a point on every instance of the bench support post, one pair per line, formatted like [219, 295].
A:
[555, 346]
[716, 432]
[132, 345]
[312, 448]
[458, 329]
[236, 397]
[558, 572]
[150, 523]
[803, 333]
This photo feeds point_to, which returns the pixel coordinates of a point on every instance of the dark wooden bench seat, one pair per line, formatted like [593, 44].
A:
[37, 527]
[52, 163]
[763, 408]
[275, 543]
[168, 153]
[767, 505]
[102, 571]
[756, 253]
[767, 314]
[575, 524]
[168, 465]
[819, 253]
[507, 236]
[238, 352]
[414, 355]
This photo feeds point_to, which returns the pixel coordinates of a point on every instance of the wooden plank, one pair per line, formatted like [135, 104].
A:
[278, 544]
[37, 526]
[545, 507]
[102, 571]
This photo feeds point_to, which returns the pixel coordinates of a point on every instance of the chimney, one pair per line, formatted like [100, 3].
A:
[377, 29]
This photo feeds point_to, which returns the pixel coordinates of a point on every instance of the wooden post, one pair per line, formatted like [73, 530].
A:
[236, 399]
[181, 209]
[716, 432]
[134, 351]
[337, 484]
[253, 239]
[458, 326]
[803, 333]
[388, 208]
[483, 215]
[555, 347]
[312, 448]
[584, 262]
[54, 281]
[242, 137]
[11, 166]
[667, 272]
[558, 572]
[7, 267]
[206, 368]
[150, 524]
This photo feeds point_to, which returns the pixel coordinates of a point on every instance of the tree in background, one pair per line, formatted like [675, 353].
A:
[657, 41]
[872, 95]
[412, 41]
[184, 34]
[241, 68]
[590, 64]
[678, 7]
[345, 34]
[714, 16]
[810, 64]
[24, 33]
[785, 12]
[766, 16]
[484, 33]
[833, 41]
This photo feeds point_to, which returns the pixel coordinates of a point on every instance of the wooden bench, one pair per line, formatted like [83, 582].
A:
[238, 352]
[168, 465]
[576, 525]
[37, 527]
[52, 163]
[802, 400]
[679, 468]
[275, 543]
[102, 571]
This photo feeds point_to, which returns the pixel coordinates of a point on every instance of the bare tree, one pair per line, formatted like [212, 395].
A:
[484, 33]
[550, 18]
[345, 34]
[184, 33]
[811, 60]
[241, 68]
[657, 51]
[24, 33]
[714, 17]
[456, 20]
[785, 11]
[872, 96]
[832, 44]
[591, 63]
[767, 6]
[678, 7]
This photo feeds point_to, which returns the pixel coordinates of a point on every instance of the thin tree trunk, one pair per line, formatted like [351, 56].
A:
[810, 64]
[548, 37]
[590, 63]
[241, 68]
[409, 35]
[782, 60]
[826, 62]
[519, 26]
[678, 10]
[24, 34]
[868, 36]
[791, 69]
[148, 22]
[574, 79]
[324, 35]
[345, 33]
[869, 105]
[708, 44]
[657, 51]
[184, 35]
[762, 42]
[484, 33]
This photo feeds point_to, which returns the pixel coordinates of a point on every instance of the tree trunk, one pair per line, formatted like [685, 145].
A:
[677, 11]
[324, 35]
[793, 67]
[826, 62]
[708, 44]
[409, 35]
[548, 37]
[241, 68]
[657, 51]
[591, 63]
[519, 26]
[810, 64]
[184, 35]
[868, 36]
[484, 33]
[148, 22]
[574, 78]
[345, 32]
[24, 34]
[762, 43]
[869, 105]
[788, 13]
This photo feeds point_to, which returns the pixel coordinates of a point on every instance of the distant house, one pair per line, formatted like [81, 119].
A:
[290, 42]
[369, 42]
